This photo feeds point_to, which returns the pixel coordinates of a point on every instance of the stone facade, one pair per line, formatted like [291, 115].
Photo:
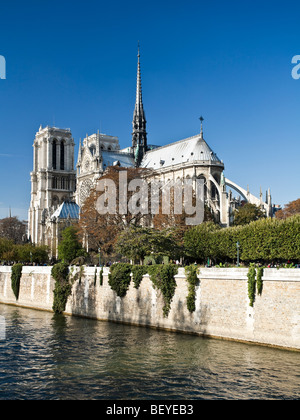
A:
[222, 304]
[96, 153]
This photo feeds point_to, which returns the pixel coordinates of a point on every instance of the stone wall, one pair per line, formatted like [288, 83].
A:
[222, 304]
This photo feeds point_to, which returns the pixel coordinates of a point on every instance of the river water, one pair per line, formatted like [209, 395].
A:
[44, 357]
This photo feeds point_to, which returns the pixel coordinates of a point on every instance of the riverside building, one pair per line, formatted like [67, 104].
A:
[58, 190]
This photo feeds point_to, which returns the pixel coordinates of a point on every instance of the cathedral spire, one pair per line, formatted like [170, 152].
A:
[139, 134]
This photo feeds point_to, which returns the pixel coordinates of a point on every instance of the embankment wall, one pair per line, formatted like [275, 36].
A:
[222, 303]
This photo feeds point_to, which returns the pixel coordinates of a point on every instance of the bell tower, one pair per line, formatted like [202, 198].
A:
[53, 179]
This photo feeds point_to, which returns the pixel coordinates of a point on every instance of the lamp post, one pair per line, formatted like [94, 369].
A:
[238, 253]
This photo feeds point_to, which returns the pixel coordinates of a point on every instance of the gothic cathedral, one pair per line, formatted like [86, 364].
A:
[58, 190]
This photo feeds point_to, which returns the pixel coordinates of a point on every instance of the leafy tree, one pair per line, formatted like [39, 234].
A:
[135, 243]
[32, 253]
[69, 248]
[199, 241]
[25, 253]
[5, 246]
[247, 213]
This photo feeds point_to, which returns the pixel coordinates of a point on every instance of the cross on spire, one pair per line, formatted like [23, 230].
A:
[201, 132]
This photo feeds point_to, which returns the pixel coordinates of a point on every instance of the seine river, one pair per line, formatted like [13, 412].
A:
[44, 357]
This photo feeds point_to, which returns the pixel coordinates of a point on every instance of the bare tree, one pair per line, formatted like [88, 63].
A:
[13, 229]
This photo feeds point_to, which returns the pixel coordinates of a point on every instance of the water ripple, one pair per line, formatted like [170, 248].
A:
[49, 357]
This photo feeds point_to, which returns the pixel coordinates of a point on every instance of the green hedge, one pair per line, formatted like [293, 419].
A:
[265, 240]
[23, 253]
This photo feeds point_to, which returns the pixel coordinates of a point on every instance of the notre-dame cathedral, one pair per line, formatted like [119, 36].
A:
[58, 189]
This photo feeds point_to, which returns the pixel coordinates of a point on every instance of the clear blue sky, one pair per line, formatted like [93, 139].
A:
[73, 64]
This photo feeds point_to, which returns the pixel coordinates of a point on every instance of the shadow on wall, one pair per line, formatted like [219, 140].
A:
[195, 322]
[142, 306]
[83, 300]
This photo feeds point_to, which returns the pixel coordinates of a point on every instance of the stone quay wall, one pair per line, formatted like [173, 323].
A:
[222, 303]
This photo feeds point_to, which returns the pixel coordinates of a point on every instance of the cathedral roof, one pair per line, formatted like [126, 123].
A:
[112, 158]
[67, 210]
[194, 149]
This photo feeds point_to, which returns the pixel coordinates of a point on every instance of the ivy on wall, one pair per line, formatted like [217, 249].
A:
[162, 277]
[138, 272]
[63, 287]
[260, 273]
[16, 274]
[119, 278]
[251, 284]
[255, 282]
[192, 279]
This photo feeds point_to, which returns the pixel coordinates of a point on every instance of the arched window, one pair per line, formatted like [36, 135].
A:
[54, 183]
[54, 150]
[93, 149]
[55, 201]
[62, 155]
[202, 177]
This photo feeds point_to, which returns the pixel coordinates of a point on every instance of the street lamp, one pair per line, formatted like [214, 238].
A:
[238, 253]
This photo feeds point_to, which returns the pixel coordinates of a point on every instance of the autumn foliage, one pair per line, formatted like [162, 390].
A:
[102, 230]
[289, 210]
